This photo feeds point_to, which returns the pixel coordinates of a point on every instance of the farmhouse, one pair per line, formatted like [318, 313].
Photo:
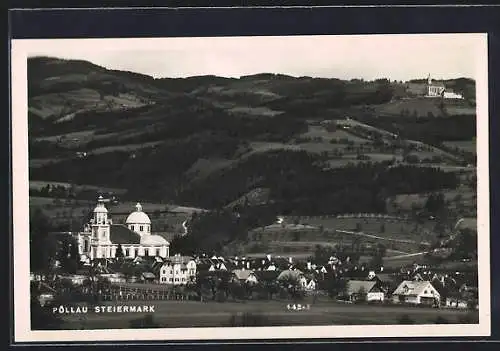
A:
[101, 238]
[178, 271]
[358, 289]
[245, 276]
[415, 292]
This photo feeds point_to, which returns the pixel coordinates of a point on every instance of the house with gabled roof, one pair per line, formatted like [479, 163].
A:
[364, 289]
[267, 277]
[178, 270]
[245, 276]
[416, 292]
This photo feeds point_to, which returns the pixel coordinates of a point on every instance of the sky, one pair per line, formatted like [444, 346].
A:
[396, 57]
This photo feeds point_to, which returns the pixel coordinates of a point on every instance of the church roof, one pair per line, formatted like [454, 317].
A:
[153, 240]
[120, 234]
[100, 208]
[138, 217]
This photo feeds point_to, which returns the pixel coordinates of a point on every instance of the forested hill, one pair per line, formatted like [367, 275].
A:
[208, 141]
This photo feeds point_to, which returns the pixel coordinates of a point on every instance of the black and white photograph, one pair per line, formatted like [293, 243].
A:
[185, 188]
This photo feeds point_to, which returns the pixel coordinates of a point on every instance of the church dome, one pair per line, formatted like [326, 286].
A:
[100, 208]
[138, 217]
[153, 240]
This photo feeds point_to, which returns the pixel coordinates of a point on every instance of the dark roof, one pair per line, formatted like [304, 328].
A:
[120, 234]
[384, 277]
[266, 275]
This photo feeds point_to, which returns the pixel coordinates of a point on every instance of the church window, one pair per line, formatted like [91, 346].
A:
[126, 252]
[148, 228]
[141, 228]
[157, 252]
[86, 245]
[136, 252]
[176, 279]
[132, 227]
[170, 280]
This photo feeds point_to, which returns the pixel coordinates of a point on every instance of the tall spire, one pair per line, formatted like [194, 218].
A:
[429, 80]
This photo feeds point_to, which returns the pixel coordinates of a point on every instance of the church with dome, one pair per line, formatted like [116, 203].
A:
[101, 238]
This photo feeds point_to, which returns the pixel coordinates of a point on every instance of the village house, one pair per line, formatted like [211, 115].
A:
[456, 301]
[363, 289]
[307, 283]
[245, 276]
[114, 277]
[267, 277]
[75, 279]
[213, 264]
[417, 293]
[178, 270]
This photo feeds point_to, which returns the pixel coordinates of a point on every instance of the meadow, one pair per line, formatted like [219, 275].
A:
[178, 314]
[465, 145]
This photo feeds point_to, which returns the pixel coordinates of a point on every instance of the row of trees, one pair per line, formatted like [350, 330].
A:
[50, 251]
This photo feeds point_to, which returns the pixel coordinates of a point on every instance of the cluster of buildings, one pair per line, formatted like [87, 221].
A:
[433, 89]
[101, 238]
[145, 257]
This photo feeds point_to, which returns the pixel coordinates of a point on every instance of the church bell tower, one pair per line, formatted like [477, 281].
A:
[100, 224]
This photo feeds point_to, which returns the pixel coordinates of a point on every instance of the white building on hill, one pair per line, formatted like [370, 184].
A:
[101, 238]
[434, 89]
[438, 89]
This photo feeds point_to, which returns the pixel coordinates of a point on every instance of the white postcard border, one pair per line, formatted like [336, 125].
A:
[20, 49]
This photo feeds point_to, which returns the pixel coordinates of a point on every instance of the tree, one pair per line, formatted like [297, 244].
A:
[435, 203]
[119, 251]
[382, 228]
[466, 244]
[39, 231]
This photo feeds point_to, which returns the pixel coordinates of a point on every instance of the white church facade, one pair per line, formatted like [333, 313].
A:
[436, 89]
[101, 238]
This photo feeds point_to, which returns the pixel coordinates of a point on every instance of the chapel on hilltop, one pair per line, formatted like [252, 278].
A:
[100, 238]
[438, 89]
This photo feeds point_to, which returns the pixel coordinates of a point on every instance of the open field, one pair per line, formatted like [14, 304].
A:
[460, 110]
[204, 167]
[126, 148]
[469, 146]
[177, 314]
[40, 162]
[413, 107]
[323, 133]
[254, 111]
[39, 184]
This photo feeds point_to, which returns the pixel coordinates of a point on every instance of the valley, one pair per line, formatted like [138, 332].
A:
[241, 152]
